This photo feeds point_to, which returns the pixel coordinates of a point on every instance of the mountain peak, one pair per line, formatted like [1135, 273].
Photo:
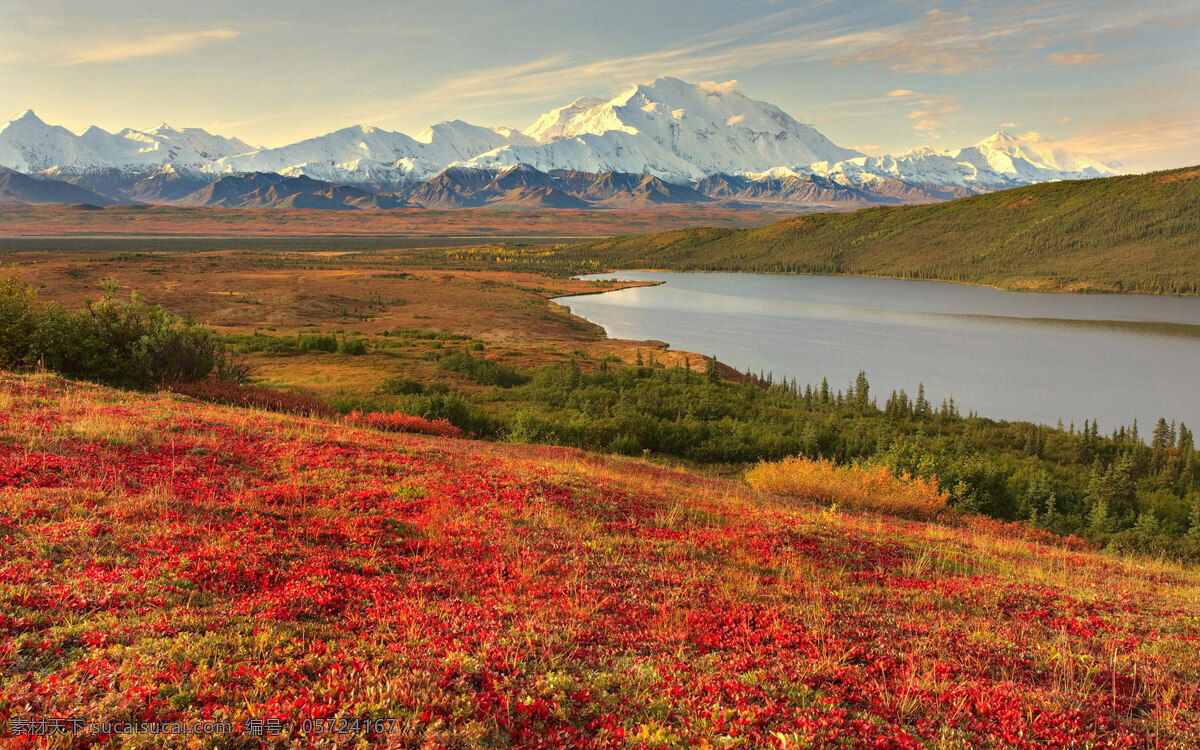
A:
[29, 116]
[714, 87]
[1002, 137]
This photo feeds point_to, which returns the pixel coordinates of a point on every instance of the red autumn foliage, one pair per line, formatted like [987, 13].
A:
[254, 397]
[397, 422]
[173, 561]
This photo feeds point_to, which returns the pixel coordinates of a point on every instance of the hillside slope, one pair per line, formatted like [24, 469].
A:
[169, 560]
[1131, 233]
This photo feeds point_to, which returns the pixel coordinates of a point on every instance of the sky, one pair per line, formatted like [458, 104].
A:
[1116, 80]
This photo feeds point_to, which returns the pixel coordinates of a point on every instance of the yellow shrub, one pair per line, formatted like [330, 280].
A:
[859, 486]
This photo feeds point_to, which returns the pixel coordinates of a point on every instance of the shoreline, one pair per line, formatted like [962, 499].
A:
[1084, 291]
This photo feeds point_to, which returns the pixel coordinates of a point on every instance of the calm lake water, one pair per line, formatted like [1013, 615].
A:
[1005, 355]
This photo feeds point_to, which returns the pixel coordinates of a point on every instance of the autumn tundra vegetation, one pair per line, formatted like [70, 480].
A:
[168, 560]
[591, 548]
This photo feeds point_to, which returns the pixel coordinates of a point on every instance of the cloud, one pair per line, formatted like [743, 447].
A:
[901, 92]
[1077, 58]
[931, 113]
[1001, 36]
[1008, 124]
[150, 46]
[1161, 139]
[774, 41]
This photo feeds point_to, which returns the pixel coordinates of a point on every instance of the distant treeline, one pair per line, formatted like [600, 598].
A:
[1137, 233]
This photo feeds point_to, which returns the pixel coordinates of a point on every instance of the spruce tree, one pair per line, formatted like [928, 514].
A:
[1160, 438]
[1193, 533]
[711, 373]
[862, 390]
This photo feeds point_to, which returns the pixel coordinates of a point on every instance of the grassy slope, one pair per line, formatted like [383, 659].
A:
[165, 559]
[1132, 233]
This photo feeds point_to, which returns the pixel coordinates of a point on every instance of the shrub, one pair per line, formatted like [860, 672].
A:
[316, 342]
[400, 386]
[353, 347]
[857, 486]
[483, 371]
[127, 344]
[398, 422]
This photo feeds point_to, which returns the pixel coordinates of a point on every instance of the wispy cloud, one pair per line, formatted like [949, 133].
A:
[777, 39]
[149, 46]
[931, 114]
[1155, 140]
[1077, 58]
[1012, 34]
[1031, 34]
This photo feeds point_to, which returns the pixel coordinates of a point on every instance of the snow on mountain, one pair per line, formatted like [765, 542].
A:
[136, 149]
[555, 123]
[998, 161]
[455, 140]
[29, 145]
[359, 148]
[1029, 157]
[367, 154]
[675, 130]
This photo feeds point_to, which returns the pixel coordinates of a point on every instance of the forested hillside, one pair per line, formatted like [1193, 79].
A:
[1135, 233]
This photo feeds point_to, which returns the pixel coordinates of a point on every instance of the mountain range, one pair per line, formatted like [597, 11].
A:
[668, 141]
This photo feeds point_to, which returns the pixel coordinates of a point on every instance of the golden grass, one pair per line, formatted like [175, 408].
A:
[860, 486]
[98, 427]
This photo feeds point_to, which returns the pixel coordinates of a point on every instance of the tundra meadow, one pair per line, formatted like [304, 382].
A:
[168, 560]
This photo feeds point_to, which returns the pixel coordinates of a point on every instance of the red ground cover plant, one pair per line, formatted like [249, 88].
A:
[397, 422]
[166, 560]
[254, 397]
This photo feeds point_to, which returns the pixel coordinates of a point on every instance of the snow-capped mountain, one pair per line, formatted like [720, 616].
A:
[999, 161]
[365, 154]
[680, 133]
[29, 145]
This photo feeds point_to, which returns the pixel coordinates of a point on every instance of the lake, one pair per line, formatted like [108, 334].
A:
[1004, 355]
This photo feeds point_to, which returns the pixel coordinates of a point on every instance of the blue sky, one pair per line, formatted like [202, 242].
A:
[1117, 80]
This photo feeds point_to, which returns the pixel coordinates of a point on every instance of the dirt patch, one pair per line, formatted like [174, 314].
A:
[1026, 201]
[1190, 174]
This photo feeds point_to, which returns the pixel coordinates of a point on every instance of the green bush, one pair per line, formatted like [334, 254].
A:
[316, 342]
[400, 386]
[483, 371]
[353, 347]
[130, 344]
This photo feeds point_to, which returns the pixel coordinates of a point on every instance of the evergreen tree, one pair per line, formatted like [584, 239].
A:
[1147, 523]
[711, 373]
[862, 390]
[1161, 437]
[1098, 518]
[1193, 533]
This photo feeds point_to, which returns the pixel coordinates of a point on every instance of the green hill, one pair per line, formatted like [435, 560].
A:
[1135, 233]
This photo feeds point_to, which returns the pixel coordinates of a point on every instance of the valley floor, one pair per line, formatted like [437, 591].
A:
[171, 560]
